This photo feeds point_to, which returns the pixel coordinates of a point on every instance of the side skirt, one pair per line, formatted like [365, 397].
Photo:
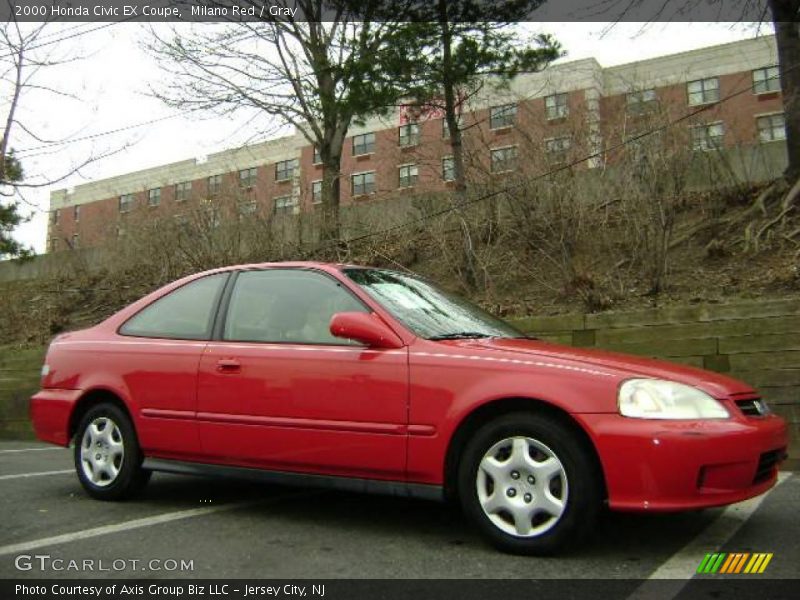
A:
[348, 484]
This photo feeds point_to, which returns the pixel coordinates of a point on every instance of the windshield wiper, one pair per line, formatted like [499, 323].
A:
[460, 335]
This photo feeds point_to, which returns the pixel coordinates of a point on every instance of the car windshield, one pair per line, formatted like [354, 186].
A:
[427, 310]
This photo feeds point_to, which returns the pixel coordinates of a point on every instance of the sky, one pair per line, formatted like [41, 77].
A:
[107, 90]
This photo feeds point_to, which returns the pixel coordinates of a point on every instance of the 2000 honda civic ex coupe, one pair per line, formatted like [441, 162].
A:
[374, 380]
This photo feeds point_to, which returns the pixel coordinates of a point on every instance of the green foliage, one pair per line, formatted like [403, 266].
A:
[10, 173]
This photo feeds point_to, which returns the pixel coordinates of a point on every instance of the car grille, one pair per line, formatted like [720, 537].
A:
[752, 407]
[767, 463]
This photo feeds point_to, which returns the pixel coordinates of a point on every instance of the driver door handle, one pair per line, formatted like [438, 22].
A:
[229, 365]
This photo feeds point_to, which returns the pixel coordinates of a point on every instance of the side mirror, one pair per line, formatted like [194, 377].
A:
[366, 328]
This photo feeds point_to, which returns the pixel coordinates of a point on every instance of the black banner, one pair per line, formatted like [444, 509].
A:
[743, 588]
[399, 10]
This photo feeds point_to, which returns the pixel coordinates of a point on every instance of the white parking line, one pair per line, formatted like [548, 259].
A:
[32, 449]
[681, 566]
[38, 474]
[137, 524]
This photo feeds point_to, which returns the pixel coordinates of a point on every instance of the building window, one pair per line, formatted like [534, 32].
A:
[362, 183]
[75, 240]
[556, 107]
[247, 208]
[557, 147]
[154, 197]
[284, 203]
[766, 80]
[640, 102]
[448, 169]
[771, 128]
[120, 231]
[317, 156]
[408, 175]
[708, 137]
[285, 169]
[408, 134]
[316, 191]
[502, 116]
[214, 185]
[247, 177]
[56, 216]
[125, 203]
[504, 159]
[76, 213]
[182, 191]
[213, 217]
[703, 91]
[363, 144]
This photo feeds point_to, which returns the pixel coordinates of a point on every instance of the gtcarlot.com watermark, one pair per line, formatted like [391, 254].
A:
[48, 563]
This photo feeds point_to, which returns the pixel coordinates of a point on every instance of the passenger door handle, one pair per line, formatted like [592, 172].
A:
[229, 365]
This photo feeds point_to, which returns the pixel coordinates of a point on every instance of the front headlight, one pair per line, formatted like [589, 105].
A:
[659, 399]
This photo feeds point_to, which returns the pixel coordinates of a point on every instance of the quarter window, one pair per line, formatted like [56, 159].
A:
[766, 80]
[287, 306]
[703, 91]
[185, 314]
[363, 144]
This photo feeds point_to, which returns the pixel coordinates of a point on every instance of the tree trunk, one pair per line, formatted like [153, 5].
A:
[468, 266]
[784, 17]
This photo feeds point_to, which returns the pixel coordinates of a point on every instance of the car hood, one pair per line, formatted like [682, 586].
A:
[624, 365]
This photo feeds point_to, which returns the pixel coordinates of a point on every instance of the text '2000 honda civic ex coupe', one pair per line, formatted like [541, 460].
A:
[376, 380]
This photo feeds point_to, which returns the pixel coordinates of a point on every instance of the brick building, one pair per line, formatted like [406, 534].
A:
[571, 110]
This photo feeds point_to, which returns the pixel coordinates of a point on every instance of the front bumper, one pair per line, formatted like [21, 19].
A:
[50, 411]
[682, 465]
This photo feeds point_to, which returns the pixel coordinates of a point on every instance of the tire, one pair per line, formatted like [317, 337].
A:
[107, 455]
[530, 484]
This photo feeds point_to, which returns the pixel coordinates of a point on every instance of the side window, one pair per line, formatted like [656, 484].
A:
[282, 305]
[184, 314]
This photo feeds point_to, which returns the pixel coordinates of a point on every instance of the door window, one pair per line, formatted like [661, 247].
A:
[282, 305]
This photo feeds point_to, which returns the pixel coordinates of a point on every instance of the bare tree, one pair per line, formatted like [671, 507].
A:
[319, 75]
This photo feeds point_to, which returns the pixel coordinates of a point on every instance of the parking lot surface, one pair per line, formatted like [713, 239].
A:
[220, 528]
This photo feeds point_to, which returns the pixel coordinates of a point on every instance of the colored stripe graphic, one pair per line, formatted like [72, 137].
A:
[734, 562]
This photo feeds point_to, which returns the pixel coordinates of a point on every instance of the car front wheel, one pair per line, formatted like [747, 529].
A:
[530, 484]
[107, 455]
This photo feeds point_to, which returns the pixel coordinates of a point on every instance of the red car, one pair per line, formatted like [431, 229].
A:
[375, 380]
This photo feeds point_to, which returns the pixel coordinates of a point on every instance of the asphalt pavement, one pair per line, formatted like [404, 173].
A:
[191, 527]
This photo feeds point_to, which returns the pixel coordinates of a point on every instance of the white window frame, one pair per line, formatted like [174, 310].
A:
[287, 167]
[767, 80]
[502, 116]
[353, 176]
[704, 91]
[367, 147]
[183, 190]
[492, 152]
[285, 206]
[214, 183]
[562, 149]
[558, 110]
[154, 197]
[411, 137]
[452, 169]
[639, 102]
[704, 145]
[125, 203]
[313, 193]
[411, 176]
[249, 180]
[771, 128]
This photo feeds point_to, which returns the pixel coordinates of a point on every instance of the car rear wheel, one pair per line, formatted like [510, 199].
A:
[107, 456]
[530, 484]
